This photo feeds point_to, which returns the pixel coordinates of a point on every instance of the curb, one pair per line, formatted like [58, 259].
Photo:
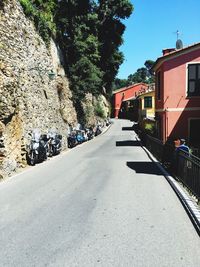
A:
[62, 154]
[188, 203]
[107, 128]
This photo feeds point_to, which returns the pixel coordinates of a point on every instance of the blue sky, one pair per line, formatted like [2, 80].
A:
[152, 27]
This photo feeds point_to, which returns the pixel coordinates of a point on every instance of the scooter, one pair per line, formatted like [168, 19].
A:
[55, 144]
[71, 140]
[98, 130]
[37, 149]
[80, 136]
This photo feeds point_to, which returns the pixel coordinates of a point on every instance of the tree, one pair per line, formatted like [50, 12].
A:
[149, 64]
[89, 33]
[119, 83]
[78, 39]
[143, 74]
[111, 29]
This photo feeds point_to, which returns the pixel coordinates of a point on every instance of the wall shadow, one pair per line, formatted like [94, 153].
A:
[127, 143]
[144, 167]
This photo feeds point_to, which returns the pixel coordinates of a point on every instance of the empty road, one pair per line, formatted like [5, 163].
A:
[103, 203]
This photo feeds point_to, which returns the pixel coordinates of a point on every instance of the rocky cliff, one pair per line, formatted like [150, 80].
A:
[94, 109]
[31, 96]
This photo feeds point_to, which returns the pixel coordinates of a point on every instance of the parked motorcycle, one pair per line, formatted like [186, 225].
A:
[80, 136]
[90, 133]
[108, 122]
[71, 139]
[37, 150]
[55, 144]
[44, 142]
[58, 143]
[98, 130]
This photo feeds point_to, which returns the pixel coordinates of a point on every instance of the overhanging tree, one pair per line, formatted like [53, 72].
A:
[89, 33]
[78, 38]
[111, 29]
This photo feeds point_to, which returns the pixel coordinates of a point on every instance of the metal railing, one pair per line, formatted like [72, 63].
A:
[155, 146]
[188, 172]
[186, 168]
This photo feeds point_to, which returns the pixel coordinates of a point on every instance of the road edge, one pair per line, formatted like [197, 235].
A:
[63, 153]
[186, 200]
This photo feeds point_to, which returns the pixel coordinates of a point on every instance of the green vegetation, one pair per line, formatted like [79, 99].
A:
[143, 74]
[89, 33]
[98, 109]
[42, 13]
[88, 112]
[150, 128]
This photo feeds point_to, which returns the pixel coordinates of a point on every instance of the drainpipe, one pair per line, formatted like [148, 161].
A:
[166, 124]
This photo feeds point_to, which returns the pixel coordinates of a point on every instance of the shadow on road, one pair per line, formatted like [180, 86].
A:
[127, 129]
[127, 143]
[144, 167]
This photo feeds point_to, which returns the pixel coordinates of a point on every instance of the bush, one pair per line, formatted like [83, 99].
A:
[29, 10]
[149, 128]
[42, 15]
[99, 111]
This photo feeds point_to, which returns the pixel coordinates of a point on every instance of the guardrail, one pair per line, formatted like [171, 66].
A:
[186, 168]
[188, 172]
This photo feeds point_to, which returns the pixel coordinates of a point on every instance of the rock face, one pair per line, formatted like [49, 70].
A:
[29, 98]
[95, 109]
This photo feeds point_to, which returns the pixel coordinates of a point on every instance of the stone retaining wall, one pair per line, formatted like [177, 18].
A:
[29, 99]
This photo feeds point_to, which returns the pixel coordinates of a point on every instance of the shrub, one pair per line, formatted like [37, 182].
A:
[149, 128]
[99, 111]
[42, 15]
[28, 8]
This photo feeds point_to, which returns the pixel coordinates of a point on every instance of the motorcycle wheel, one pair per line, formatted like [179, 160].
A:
[32, 158]
[45, 155]
[54, 151]
[50, 152]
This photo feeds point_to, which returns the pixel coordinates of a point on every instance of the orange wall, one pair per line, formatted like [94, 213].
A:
[125, 94]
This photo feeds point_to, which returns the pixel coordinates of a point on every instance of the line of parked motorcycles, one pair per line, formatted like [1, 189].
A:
[78, 136]
[42, 146]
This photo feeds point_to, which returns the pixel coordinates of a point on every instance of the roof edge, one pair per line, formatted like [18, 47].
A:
[128, 87]
[172, 54]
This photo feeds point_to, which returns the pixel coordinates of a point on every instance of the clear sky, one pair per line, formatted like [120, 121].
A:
[152, 27]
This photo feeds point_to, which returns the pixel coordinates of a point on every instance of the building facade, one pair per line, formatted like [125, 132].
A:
[177, 98]
[121, 96]
[146, 107]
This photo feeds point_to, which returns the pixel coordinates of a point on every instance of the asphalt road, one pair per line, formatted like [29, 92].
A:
[103, 203]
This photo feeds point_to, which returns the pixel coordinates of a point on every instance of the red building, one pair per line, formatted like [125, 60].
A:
[177, 103]
[124, 94]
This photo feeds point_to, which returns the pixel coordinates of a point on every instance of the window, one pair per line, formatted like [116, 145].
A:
[158, 83]
[148, 102]
[194, 131]
[193, 80]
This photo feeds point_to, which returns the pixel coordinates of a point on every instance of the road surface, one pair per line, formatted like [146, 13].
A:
[103, 203]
